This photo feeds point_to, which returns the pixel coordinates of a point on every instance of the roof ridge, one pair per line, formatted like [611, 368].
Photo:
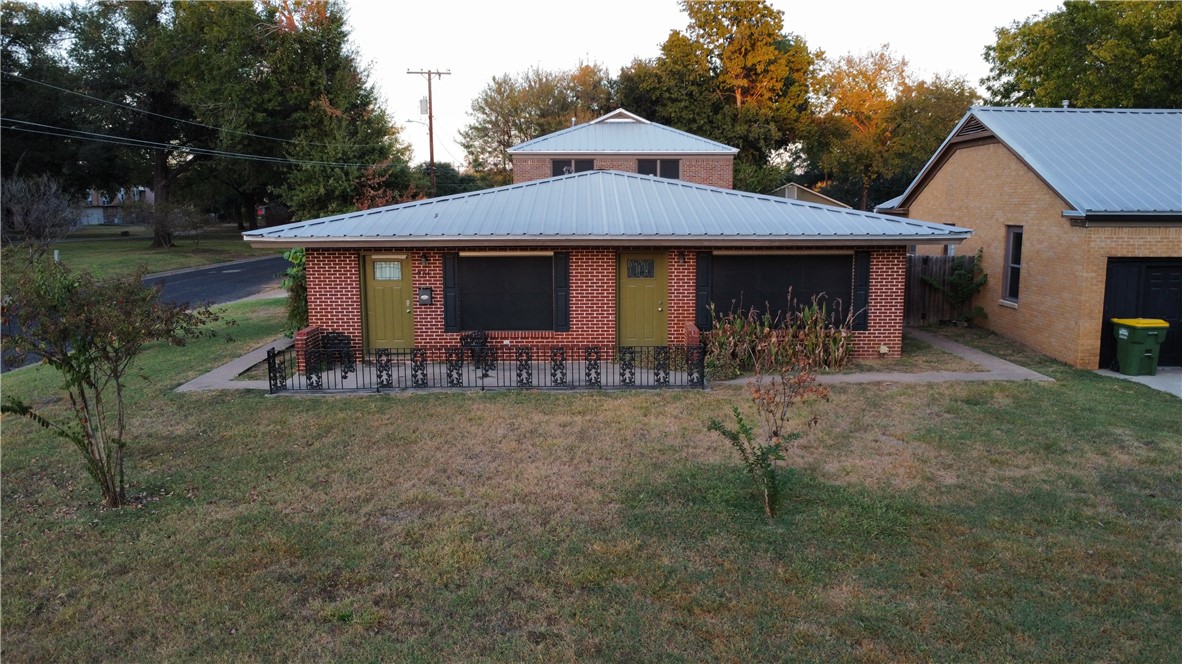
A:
[1059, 109]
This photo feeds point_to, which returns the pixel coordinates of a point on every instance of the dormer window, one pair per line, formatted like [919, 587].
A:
[664, 168]
[568, 166]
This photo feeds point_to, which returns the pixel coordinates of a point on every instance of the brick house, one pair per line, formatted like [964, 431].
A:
[599, 257]
[1079, 214]
[623, 141]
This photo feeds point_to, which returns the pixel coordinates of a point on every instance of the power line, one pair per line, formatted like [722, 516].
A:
[127, 141]
[188, 122]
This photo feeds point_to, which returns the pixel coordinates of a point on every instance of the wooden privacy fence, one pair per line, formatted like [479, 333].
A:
[923, 304]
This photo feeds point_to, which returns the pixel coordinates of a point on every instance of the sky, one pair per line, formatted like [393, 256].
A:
[476, 40]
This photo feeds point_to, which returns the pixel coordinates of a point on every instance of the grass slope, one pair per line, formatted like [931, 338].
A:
[101, 250]
[954, 522]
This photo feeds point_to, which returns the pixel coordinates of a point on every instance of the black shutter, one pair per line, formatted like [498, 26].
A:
[702, 288]
[451, 294]
[562, 292]
[861, 290]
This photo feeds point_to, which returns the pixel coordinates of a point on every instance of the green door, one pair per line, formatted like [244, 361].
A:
[389, 322]
[643, 290]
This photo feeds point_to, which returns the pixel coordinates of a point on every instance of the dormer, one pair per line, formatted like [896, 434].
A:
[624, 141]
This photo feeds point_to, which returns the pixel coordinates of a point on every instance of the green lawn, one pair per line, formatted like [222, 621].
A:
[954, 522]
[104, 251]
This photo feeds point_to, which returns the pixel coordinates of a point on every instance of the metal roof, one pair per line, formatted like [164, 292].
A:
[1101, 161]
[622, 132]
[606, 208]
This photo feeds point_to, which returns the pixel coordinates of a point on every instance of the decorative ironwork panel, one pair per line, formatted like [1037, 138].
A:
[418, 368]
[384, 367]
[558, 367]
[485, 359]
[338, 349]
[661, 358]
[525, 366]
[313, 368]
[591, 358]
[276, 371]
[454, 358]
[627, 366]
[695, 366]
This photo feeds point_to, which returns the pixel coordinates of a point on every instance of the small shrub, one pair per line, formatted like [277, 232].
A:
[295, 280]
[774, 399]
[964, 281]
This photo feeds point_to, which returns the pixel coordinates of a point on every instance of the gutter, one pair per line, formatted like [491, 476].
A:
[762, 241]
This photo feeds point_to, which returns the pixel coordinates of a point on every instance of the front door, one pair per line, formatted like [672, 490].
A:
[389, 321]
[644, 287]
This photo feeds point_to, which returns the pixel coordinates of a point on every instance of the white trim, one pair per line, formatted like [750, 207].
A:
[1008, 304]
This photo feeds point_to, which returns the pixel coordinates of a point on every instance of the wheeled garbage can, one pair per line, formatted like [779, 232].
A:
[1138, 341]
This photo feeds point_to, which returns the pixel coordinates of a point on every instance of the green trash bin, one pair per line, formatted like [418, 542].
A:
[1138, 341]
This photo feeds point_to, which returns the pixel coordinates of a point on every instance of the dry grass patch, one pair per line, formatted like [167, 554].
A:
[930, 522]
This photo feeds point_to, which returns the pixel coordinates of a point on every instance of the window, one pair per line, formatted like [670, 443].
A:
[568, 166]
[642, 269]
[1013, 272]
[665, 168]
[387, 271]
[506, 292]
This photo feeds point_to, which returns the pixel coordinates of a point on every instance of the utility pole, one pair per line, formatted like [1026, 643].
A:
[431, 117]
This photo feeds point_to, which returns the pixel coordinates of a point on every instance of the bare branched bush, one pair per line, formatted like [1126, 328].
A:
[37, 213]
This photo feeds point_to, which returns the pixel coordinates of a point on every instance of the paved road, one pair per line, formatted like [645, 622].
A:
[216, 284]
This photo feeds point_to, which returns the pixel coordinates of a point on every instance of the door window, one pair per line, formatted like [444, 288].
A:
[387, 270]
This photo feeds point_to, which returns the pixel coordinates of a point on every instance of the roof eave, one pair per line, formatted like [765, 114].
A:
[729, 152]
[259, 242]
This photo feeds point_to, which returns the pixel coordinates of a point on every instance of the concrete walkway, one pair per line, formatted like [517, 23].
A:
[994, 367]
[223, 377]
[1168, 379]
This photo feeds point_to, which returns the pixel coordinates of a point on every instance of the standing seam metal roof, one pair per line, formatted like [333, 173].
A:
[610, 205]
[1101, 161]
[621, 132]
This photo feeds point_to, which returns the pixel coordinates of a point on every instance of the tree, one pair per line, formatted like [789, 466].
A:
[125, 52]
[38, 211]
[30, 56]
[91, 331]
[514, 109]
[733, 76]
[343, 137]
[858, 92]
[1093, 54]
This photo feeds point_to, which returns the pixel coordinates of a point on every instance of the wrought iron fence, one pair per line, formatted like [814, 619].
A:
[490, 367]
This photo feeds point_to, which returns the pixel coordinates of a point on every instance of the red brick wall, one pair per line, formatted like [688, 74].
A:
[334, 290]
[888, 270]
[334, 298]
[682, 298]
[712, 171]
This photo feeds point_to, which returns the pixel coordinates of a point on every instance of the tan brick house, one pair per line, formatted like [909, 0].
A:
[1079, 214]
[623, 141]
[597, 257]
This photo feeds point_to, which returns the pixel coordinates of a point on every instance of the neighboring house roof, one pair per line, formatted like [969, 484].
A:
[621, 132]
[606, 208]
[1103, 162]
[802, 193]
[892, 204]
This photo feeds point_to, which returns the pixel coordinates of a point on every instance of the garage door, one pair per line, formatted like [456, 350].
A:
[743, 282]
[1144, 288]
